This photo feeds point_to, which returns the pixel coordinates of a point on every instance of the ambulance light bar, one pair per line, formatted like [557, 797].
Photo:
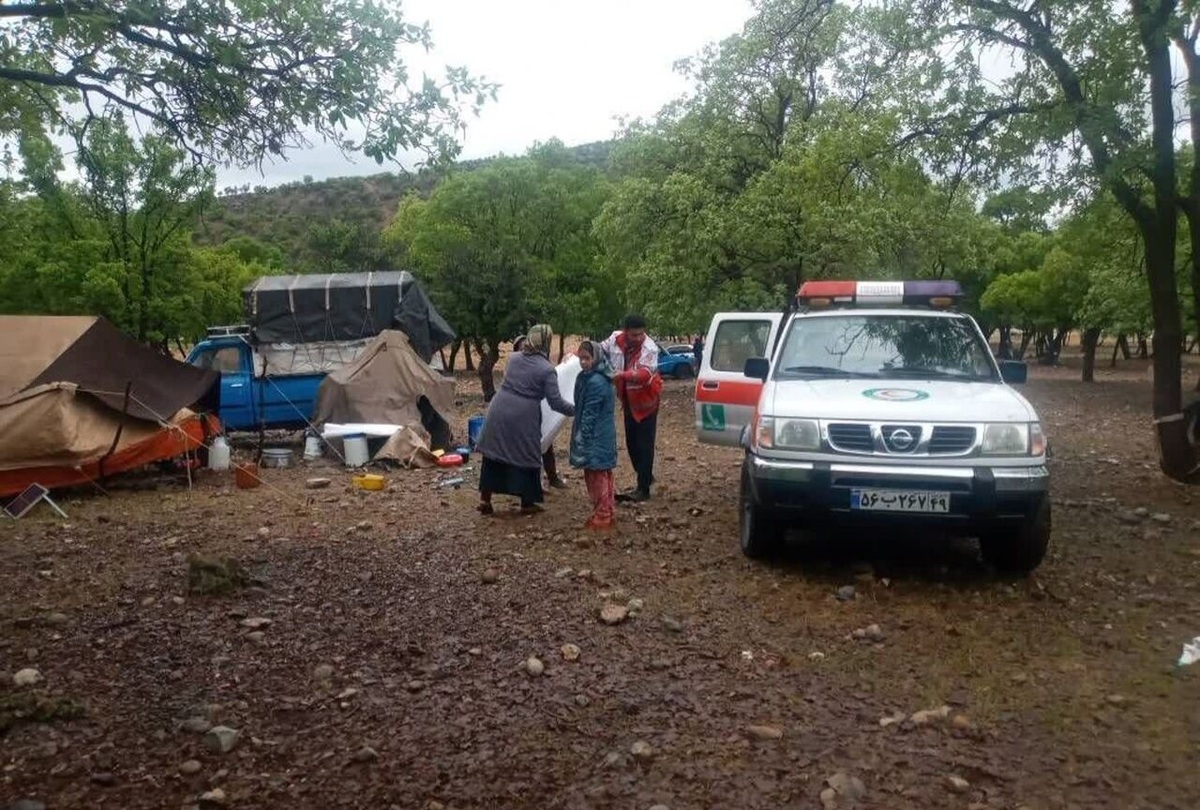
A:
[939, 294]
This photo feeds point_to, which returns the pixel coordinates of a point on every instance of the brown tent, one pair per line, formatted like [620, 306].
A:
[389, 384]
[80, 400]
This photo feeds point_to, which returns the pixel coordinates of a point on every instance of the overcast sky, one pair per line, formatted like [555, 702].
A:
[567, 69]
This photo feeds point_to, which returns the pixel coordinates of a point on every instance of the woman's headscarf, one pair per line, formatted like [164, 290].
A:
[538, 340]
[599, 358]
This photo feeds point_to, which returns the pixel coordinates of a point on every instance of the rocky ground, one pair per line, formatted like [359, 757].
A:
[396, 649]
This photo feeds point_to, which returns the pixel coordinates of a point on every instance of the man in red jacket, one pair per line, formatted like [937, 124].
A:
[634, 359]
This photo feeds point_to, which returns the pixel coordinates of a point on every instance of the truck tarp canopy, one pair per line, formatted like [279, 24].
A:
[64, 418]
[344, 306]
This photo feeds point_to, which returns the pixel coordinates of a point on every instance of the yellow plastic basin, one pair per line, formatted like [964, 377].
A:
[369, 481]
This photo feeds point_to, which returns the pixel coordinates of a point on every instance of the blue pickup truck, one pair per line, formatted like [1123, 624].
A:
[250, 400]
[301, 327]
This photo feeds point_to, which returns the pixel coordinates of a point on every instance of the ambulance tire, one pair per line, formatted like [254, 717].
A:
[761, 534]
[1021, 549]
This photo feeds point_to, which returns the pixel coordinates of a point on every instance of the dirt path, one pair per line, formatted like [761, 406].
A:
[393, 670]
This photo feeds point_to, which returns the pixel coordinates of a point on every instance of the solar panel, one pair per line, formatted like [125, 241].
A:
[21, 505]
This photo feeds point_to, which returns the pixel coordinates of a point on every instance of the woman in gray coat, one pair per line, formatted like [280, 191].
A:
[511, 442]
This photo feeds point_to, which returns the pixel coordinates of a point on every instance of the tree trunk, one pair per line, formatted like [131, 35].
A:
[1091, 339]
[1116, 348]
[470, 363]
[1143, 347]
[1005, 348]
[1123, 345]
[1159, 226]
[489, 355]
[454, 349]
[1025, 336]
[562, 346]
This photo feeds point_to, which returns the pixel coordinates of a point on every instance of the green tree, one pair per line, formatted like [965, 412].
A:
[1088, 104]
[507, 244]
[241, 80]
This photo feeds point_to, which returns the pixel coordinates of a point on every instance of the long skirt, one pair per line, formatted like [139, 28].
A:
[498, 478]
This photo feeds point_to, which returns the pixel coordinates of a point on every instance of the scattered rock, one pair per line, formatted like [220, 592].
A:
[765, 732]
[1161, 517]
[641, 750]
[1020, 678]
[570, 652]
[927, 716]
[1116, 700]
[323, 672]
[414, 686]
[961, 722]
[673, 625]
[1128, 518]
[534, 666]
[256, 623]
[221, 739]
[583, 701]
[27, 804]
[956, 784]
[563, 573]
[635, 606]
[1141, 512]
[56, 619]
[843, 791]
[490, 576]
[366, 754]
[874, 632]
[191, 767]
[614, 759]
[27, 677]
[195, 725]
[213, 799]
[893, 719]
[659, 807]
[317, 483]
[846, 593]
[104, 779]
[264, 532]
[613, 613]
[258, 637]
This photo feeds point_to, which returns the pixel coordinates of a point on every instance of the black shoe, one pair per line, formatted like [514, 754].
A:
[558, 483]
[640, 496]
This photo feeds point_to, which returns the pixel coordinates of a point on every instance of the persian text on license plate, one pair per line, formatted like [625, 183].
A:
[899, 500]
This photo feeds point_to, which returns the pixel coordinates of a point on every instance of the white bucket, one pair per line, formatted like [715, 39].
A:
[277, 457]
[356, 450]
[218, 455]
[312, 447]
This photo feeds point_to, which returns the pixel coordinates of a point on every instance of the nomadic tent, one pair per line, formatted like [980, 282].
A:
[389, 384]
[79, 401]
[337, 307]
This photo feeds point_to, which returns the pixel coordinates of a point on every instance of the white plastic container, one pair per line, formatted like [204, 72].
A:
[218, 454]
[356, 450]
[312, 447]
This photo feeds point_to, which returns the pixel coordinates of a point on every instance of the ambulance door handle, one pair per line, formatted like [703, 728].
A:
[710, 385]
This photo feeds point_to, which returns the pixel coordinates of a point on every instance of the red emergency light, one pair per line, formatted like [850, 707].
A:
[940, 294]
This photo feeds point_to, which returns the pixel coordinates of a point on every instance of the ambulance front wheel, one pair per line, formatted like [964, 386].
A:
[761, 533]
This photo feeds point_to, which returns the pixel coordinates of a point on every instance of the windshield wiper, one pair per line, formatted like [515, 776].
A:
[829, 371]
[924, 371]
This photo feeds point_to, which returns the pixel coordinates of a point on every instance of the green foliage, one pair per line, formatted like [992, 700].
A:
[240, 80]
[511, 243]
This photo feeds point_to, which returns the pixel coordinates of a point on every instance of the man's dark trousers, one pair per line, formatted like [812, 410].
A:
[639, 441]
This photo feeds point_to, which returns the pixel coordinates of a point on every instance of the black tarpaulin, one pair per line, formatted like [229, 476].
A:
[344, 306]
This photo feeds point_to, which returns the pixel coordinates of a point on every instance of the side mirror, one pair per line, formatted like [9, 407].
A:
[758, 368]
[1014, 372]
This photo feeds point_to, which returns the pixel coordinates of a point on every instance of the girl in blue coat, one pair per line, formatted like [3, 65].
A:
[594, 433]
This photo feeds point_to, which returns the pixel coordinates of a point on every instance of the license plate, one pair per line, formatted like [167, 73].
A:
[899, 500]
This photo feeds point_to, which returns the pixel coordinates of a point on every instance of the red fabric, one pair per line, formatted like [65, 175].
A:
[638, 387]
[602, 492]
[184, 437]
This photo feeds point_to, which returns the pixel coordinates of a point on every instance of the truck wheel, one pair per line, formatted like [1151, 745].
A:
[1019, 550]
[760, 533]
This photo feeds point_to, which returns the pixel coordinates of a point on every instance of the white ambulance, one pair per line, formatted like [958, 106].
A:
[876, 404]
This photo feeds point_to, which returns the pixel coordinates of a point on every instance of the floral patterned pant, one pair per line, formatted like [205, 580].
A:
[602, 492]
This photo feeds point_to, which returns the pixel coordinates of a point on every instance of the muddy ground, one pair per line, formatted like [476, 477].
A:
[391, 670]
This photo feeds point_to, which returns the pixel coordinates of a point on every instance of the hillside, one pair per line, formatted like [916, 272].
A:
[297, 218]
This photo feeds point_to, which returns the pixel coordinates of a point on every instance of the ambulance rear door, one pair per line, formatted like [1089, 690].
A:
[725, 397]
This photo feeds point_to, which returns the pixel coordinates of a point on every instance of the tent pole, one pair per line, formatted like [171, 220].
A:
[120, 429]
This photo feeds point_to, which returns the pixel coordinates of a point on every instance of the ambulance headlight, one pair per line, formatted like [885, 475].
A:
[1006, 439]
[797, 434]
